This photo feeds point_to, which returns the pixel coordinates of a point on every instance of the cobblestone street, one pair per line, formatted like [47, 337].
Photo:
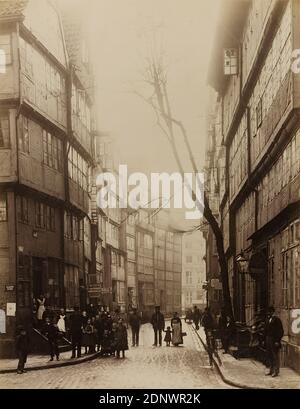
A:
[144, 367]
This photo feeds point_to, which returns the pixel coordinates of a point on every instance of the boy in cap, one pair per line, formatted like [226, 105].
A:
[22, 347]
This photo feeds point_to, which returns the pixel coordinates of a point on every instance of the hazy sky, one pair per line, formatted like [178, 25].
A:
[123, 32]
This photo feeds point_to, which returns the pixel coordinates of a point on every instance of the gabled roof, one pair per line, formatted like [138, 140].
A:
[12, 8]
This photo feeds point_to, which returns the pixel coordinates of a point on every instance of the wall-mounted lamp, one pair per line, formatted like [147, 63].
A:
[242, 263]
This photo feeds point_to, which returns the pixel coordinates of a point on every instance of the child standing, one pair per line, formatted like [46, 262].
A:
[168, 336]
[22, 347]
[89, 340]
[121, 339]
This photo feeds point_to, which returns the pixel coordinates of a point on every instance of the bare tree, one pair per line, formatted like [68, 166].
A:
[155, 76]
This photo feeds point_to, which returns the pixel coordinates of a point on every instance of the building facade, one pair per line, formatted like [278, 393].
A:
[256, 120]
[193, 271]
[46, 152]
[55, 241]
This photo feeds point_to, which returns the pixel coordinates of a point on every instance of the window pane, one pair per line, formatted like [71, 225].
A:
[5, 45]
[3, 207]
[4, 131]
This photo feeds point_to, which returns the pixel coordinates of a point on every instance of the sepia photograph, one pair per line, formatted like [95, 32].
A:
[150, 198]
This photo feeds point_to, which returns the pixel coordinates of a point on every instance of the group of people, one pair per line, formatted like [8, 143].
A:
[91, 329]
[266, 333]
[173, 333]
[97, 331]
[107, 332]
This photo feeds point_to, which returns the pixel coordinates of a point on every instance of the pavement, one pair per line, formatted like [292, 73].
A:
[250, 374]
[185, 367]
[38, 362]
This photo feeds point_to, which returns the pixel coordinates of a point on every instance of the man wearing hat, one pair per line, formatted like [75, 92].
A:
[135, 323]
[274, 332]
[158, 324]
[22, 347]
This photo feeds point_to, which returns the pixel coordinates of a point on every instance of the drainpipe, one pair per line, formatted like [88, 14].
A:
[17, 163]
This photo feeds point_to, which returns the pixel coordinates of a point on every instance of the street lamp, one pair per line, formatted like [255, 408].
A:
[242, 263]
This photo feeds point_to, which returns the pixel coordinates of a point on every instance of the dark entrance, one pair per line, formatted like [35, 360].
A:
[39, 276]
[258, 269]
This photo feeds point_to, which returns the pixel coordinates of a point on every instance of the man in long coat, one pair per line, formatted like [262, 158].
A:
[273, 332]
[76, 324]
[158, 324]
[196, 317]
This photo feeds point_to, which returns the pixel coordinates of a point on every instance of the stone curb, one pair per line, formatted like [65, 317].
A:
[58, 364]
[221, 373]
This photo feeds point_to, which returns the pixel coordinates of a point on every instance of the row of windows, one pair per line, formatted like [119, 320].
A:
[5, 47]
[4, 130]
[188, 277]
[189, 297]
[245, 222]
[145, 241]
[52, 146]
[253, 31]
[42, 83]
[112, 231]
[130, 241]
[3, 207]
[284, 265]
[283, 171]
[191, 259]
[117, 259]
[80, 107]
[238, 157]
[44, 214]
[78, 168]
[52, 151]
[52, 79]
[73, 227]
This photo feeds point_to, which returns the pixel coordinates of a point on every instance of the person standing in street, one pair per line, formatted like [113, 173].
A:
[41, 300]
[207, 321]
[158, 324]
[121, 339]
[208, 324]
[176, 330]
[99, 331]
[89, 338]
[22, 348]
[273, 332]
[51, 331]
[62, 322]
[76, 324]
[168, 336]
[135, 323]
[196, 317]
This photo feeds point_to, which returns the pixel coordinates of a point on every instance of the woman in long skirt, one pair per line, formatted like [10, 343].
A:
[89, 339]
[176, 330]
[121, 339]
[41, 309]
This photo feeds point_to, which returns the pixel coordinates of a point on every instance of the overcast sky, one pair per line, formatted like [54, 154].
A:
[123, 32]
